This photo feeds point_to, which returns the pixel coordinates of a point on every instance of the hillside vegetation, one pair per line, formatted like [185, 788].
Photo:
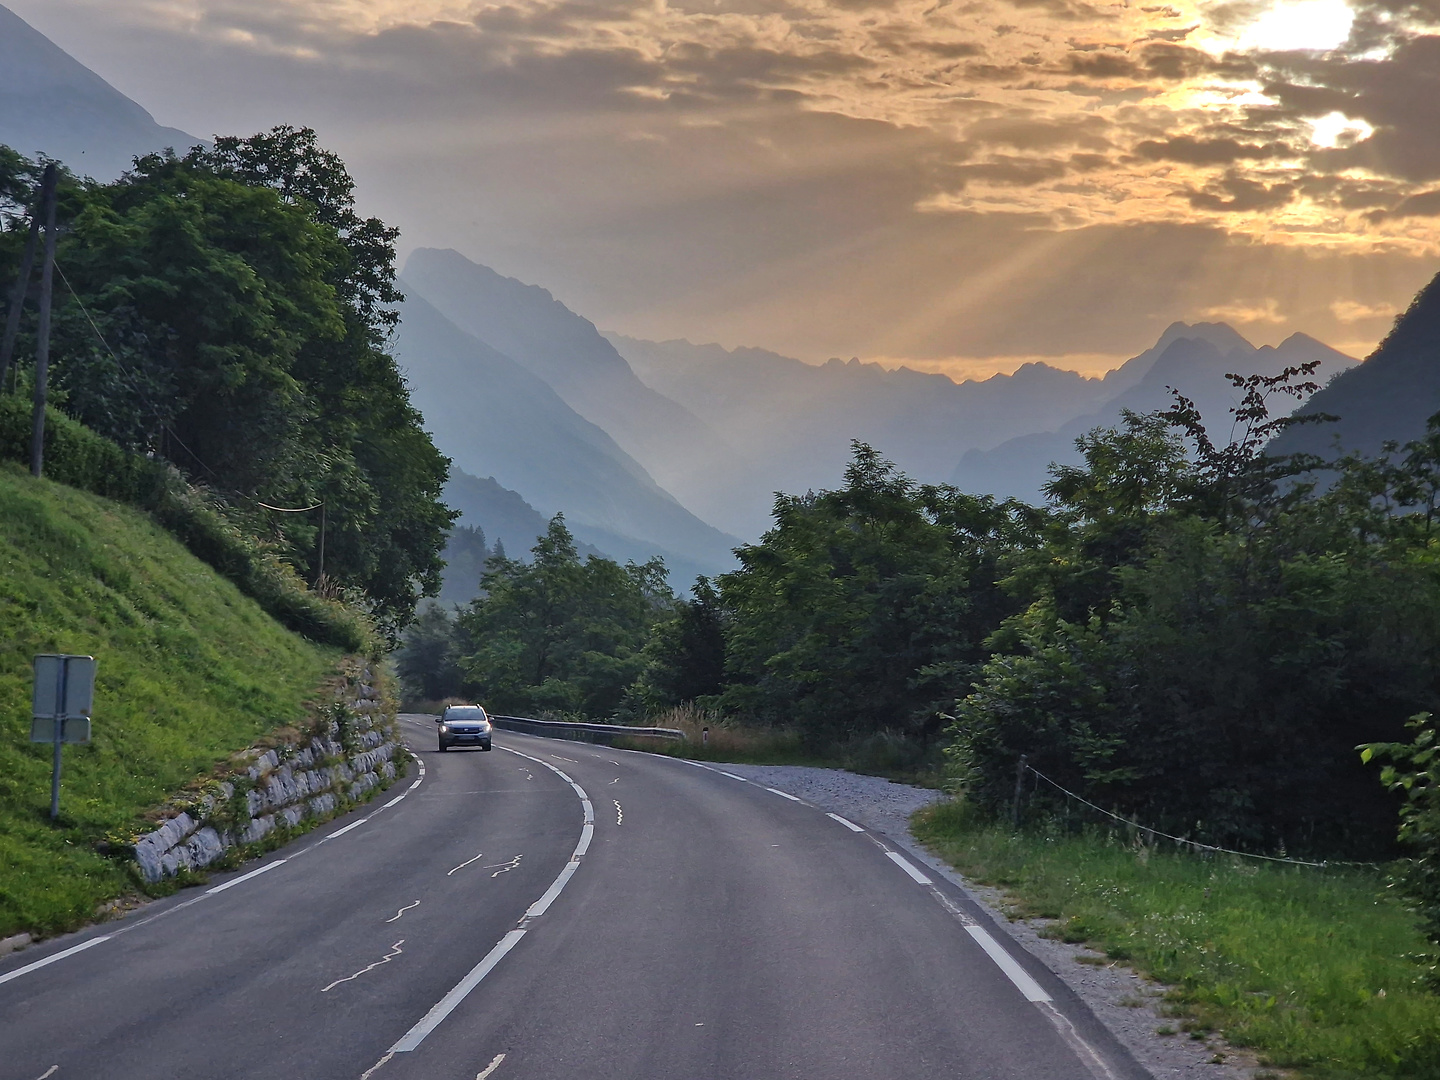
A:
[190, 670]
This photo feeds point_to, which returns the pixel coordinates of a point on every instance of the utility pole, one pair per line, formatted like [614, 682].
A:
[42, 347]
[17, 298]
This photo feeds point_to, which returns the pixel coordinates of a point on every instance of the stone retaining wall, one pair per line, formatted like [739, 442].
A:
[320, 774]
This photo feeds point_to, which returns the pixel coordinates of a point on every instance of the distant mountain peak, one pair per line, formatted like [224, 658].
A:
[52, 104]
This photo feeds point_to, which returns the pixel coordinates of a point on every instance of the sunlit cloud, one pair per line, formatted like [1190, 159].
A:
[1319, 25]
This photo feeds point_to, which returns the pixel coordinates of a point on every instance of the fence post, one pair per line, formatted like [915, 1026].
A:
[1019, 785]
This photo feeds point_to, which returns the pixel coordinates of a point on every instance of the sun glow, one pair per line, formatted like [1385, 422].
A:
[1318, 25]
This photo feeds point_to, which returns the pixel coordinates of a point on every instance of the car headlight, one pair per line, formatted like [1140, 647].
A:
[444, 727]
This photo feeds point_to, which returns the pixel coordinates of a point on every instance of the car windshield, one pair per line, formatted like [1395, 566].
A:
[465, 712]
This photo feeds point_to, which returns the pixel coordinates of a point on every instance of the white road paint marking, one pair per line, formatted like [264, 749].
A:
[612, 762]
[395, 951]
[347, 828]
[466, 863]
[571, 760]
[392, 802]
[619, 814]
[402, 911]
[246, 877]
[616, 780]
[494, 1064]
[1017, 975]
[505, 867]
[732, 776]
[446, 1005]
[909, 868]
[783, 794]
[51, 1071]
[416, 784]
[373, 1069]
[848, 824]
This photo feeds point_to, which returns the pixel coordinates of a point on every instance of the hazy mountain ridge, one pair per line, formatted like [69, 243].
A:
[1192, 359]
[52, 104]
[493, 417]
[526, 323]
[799, 418]
[1387, 398]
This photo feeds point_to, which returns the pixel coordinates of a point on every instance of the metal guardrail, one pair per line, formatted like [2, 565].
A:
[561, 729]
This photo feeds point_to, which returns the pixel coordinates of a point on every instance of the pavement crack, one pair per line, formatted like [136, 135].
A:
[466, 863]
[619, 813]
[402, 911]
[395, 951]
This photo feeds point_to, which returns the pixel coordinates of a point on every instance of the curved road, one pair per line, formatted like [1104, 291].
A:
[475, 923]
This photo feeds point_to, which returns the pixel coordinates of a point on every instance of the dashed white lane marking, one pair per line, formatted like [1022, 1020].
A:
[395, 951]
[246, 877]
[402, 911]
[848, 824]
[466, 863]
[1006, 963]
[446, 1005]
[505, 867]
[619, 814]
[38, 964]
[571, 760]
[732, 776]
[783, 794]
[494, 1064]
[392, 802]
[909, 868]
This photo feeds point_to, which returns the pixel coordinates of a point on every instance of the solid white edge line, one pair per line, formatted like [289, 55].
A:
[446, 1005]
[246, 877]
[1017, 975]
[732, 776]
[61, 955]
[347, 828]
[585, 834]
[542, 905]
[783, 794]
[843, 821]
[909, 868]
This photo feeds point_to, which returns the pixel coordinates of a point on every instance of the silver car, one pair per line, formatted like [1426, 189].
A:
[464, 725]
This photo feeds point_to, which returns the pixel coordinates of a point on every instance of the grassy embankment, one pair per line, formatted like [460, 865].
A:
[1311, 968]
[190, 670]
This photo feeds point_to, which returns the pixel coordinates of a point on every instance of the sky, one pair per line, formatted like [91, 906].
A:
[958, 186]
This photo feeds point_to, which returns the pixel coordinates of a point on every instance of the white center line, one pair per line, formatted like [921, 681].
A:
[848, 824]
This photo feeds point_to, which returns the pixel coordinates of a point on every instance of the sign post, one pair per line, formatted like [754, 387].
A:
[63, 697]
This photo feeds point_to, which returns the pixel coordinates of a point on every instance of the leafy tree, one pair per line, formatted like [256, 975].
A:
[428, 660]
[558, 635]
[686, 652]
[227, 311]
[867, 608]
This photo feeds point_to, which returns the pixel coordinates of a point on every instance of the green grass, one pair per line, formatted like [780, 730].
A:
[1310, 968]
[189, 671]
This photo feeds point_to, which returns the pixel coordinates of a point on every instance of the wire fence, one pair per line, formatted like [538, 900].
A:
[1186, 842]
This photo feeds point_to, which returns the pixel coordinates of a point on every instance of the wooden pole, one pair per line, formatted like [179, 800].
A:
[42, 347]
[321, 576]
[1019, 790]
[17, 298]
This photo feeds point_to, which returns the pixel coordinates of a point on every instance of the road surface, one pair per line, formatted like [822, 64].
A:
[556, 910]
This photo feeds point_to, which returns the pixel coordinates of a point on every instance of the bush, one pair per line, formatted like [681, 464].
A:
[76, 456]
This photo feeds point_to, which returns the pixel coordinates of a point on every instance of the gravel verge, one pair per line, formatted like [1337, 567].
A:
[1126, 1003]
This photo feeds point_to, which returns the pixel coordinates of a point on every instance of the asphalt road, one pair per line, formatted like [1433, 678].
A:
[478, 925]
